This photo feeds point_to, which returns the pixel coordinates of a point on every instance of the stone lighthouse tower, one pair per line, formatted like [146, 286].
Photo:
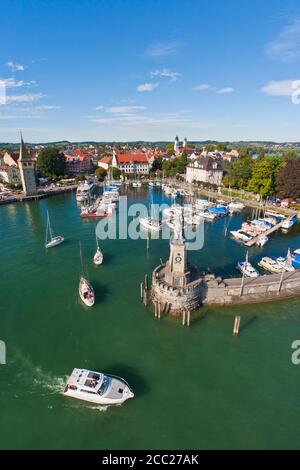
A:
[176, 285]
[27, 170]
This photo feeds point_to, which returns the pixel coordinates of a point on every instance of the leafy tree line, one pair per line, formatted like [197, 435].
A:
[267, 175]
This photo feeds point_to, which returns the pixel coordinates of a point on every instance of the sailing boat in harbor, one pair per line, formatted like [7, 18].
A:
[98, 256]
[52, 241]
[86, 291]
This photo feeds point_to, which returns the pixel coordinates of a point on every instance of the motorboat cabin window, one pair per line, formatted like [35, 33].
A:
[104, 386]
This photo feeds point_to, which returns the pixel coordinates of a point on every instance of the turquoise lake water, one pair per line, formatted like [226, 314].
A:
[195, 388]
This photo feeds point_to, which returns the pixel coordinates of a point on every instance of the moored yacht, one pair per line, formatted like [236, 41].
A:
[52, 241]
[271, 265]
[98, 256]
[86, 190]
[246, 268]
[96, 387]
[241, 235]
[150, 224]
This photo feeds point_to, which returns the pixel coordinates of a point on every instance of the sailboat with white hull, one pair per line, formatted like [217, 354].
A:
[52, 241]
[98, 256]
[86, 291]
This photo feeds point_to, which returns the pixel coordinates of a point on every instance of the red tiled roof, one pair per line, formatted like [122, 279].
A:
[106, 160]
[137, 157]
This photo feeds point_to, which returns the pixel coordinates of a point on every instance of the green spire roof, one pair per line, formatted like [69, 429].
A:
[24, 154]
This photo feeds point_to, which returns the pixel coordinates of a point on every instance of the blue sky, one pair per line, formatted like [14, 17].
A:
[150, 69]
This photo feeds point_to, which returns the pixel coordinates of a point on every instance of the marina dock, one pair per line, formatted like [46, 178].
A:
[266, 233]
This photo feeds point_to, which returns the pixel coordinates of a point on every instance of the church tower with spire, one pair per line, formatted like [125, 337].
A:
[27, 170]
[176, 145]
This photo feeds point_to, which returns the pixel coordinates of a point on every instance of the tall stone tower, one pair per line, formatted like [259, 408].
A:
[177, 272]
[176, 285]
[184, 144]
[27, 170]
[176, 145]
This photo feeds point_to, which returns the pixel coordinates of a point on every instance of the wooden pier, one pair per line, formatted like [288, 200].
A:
[266, 233]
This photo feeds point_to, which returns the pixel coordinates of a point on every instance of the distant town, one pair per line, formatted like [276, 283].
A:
[266, 168]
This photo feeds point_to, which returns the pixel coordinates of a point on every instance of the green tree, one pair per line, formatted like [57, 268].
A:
[210, 147]
[175, 166]
[240, 172]
[264, 175]
[170, 149]
[292, 153]
[221, 147]
[100, 173]
[116, 173]
[51, 163]
[157, 164]
[288, 179]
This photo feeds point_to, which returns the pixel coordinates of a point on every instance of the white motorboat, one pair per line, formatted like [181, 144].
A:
[98, 256]
[286, 263]
[241, 235]
[288, 223]
[262, 240]
[86, 190]
[246, 268]
[235, 206]
[52, 241]
[98, 388]
[150, 224]
[207, 215]
[270, 264]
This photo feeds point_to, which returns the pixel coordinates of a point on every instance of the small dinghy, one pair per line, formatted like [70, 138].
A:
[52, 241]
[98, 256]
[98, 388]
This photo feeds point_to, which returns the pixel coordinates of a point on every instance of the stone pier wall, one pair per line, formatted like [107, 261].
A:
[212, 290]
[217, 291]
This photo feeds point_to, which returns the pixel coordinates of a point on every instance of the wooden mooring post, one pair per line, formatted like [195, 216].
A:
[142, 291]
[281, 281]
[236, 326]
[146, 281]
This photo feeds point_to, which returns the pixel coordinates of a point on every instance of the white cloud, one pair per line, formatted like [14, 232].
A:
[279, 88]
[225, 90]
[146, 121]
[165, 73]
[47, 107]
[147, 87]
[123, 109]
[25, 98]
[13, 83]
[163, 49]
[15, 67]
[286, 46]
[202, 87]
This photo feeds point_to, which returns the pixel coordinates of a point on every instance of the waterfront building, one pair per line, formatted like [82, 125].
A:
[9, 170]
[205, 169]
[132, 162]
[27, 170]
[105, 162]
[78, 161]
